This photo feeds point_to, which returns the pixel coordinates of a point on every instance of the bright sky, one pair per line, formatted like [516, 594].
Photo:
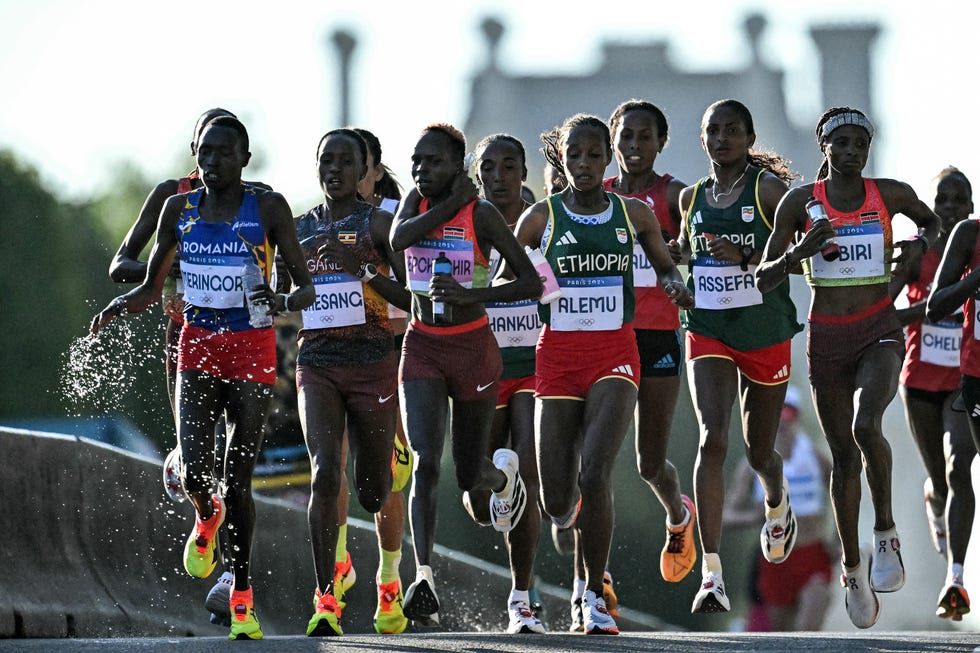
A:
[89, 84]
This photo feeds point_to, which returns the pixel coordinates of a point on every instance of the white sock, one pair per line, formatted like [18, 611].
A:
[519, 595]
[684, 521]
[578, 588]
[710, 562]
[955, 575]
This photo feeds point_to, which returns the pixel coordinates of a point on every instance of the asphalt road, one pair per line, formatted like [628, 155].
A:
[688, 642]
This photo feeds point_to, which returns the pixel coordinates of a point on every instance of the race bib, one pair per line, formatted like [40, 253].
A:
[420, 257]
[214, 282]
[719, 285]
[514, 324]
[644, 276]
[588, 304]
[862, 254]
[941, 343]
[339, 302]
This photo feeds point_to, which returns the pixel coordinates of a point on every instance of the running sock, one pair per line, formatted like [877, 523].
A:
[687, 518]
[520, 595]
[341, 555]
[710, 562]
[955, 575]
[388, 569]
[578, 588]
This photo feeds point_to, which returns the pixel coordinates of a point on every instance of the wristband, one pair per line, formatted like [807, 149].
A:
[924, 241]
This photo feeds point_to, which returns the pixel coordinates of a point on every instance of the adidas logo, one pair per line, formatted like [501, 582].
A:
[696, 219]
[976, 411]
[624, 369]
[781, 374]
[567, 238]
[666, 361]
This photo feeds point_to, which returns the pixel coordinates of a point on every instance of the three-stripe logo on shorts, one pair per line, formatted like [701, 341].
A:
[624, 369]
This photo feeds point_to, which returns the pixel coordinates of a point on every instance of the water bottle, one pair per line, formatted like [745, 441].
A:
[551, 290]
[258, 312]
[830, 250]
[441, 311]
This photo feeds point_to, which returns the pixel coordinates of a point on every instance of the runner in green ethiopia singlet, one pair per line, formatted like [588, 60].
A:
[592, 257]
[729, 307]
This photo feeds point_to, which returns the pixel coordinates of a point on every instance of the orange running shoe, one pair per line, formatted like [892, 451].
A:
[679, 553]
[389, 618]
[244, 625]
[200, 550]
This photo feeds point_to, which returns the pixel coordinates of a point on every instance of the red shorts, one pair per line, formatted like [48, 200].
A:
[507, 388]
[781, 584]
[364, 388]
[767, 366]
[569, 363]
[248, 355]
[466, 356]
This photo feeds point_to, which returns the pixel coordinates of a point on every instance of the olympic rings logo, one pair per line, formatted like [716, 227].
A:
[515, 340]
[207, 299]
[586, 322]
[847, 270]
[725, 300]
[326, 319]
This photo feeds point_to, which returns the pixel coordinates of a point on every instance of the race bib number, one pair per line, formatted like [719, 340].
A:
[213, 282]
[420, 257]
[339, 302]
[941, 343]
[514, 324]
[644, 276]
[862, 254]
[588, 304]
[719, 285]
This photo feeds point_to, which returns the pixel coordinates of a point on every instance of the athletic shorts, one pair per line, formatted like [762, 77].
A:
[248, 355]
[780, 584]
[660, 352]
[364, 388]
[569, 363]
[466, 356]
[934, 397]
[507, 388]
[767, 366]
[836, 343]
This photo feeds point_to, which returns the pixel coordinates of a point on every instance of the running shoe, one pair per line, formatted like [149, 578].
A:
[344, 577]
[679, 553]
[171, 477]
[534, 599]
[389, 619]
[218, 602]
[244, 625]
[563, 539]
[200, 551]
[421, 603]
[887, 569]
[598, 621]
[860, 600]
[522, 619]
[711, 597]
[565, 523]
[609, 595]
[325, 621]
[954, 602]
[578, 617]
[402, 461]
[507, 506]
[779, 532]
[937, 523]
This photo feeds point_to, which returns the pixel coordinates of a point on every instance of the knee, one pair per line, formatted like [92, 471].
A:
[760, 459]
[426, 467]
[867, 432]
[958, 471]
[847, 462]
[713, 446]
[650, 468]
[371, 499]
[324, 482]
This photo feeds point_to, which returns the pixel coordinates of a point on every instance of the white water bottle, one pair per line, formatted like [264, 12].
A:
[551, 290]
[258, 312]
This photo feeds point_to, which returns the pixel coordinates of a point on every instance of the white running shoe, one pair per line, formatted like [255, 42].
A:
[711, 597]
[522, 620]
[860, 600]
[887, 570]
[578, 617]
[421, 603]
[598, 621]
[218, 602]
[779, 532]
[507, 506]
[171, 477]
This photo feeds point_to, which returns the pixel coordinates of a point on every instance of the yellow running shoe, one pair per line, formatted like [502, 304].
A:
[679, 553]
[244, 625]
[344, 577]
[609, 595]
[402, 461]
[389, 618]
[325, 621]
[200, 551]
[954, 602]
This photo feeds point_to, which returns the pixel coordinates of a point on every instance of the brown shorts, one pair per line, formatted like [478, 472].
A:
[836, 343]
[466, 356]
[364, 388]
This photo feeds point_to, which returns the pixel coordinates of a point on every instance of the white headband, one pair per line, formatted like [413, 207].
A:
[848, 118]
